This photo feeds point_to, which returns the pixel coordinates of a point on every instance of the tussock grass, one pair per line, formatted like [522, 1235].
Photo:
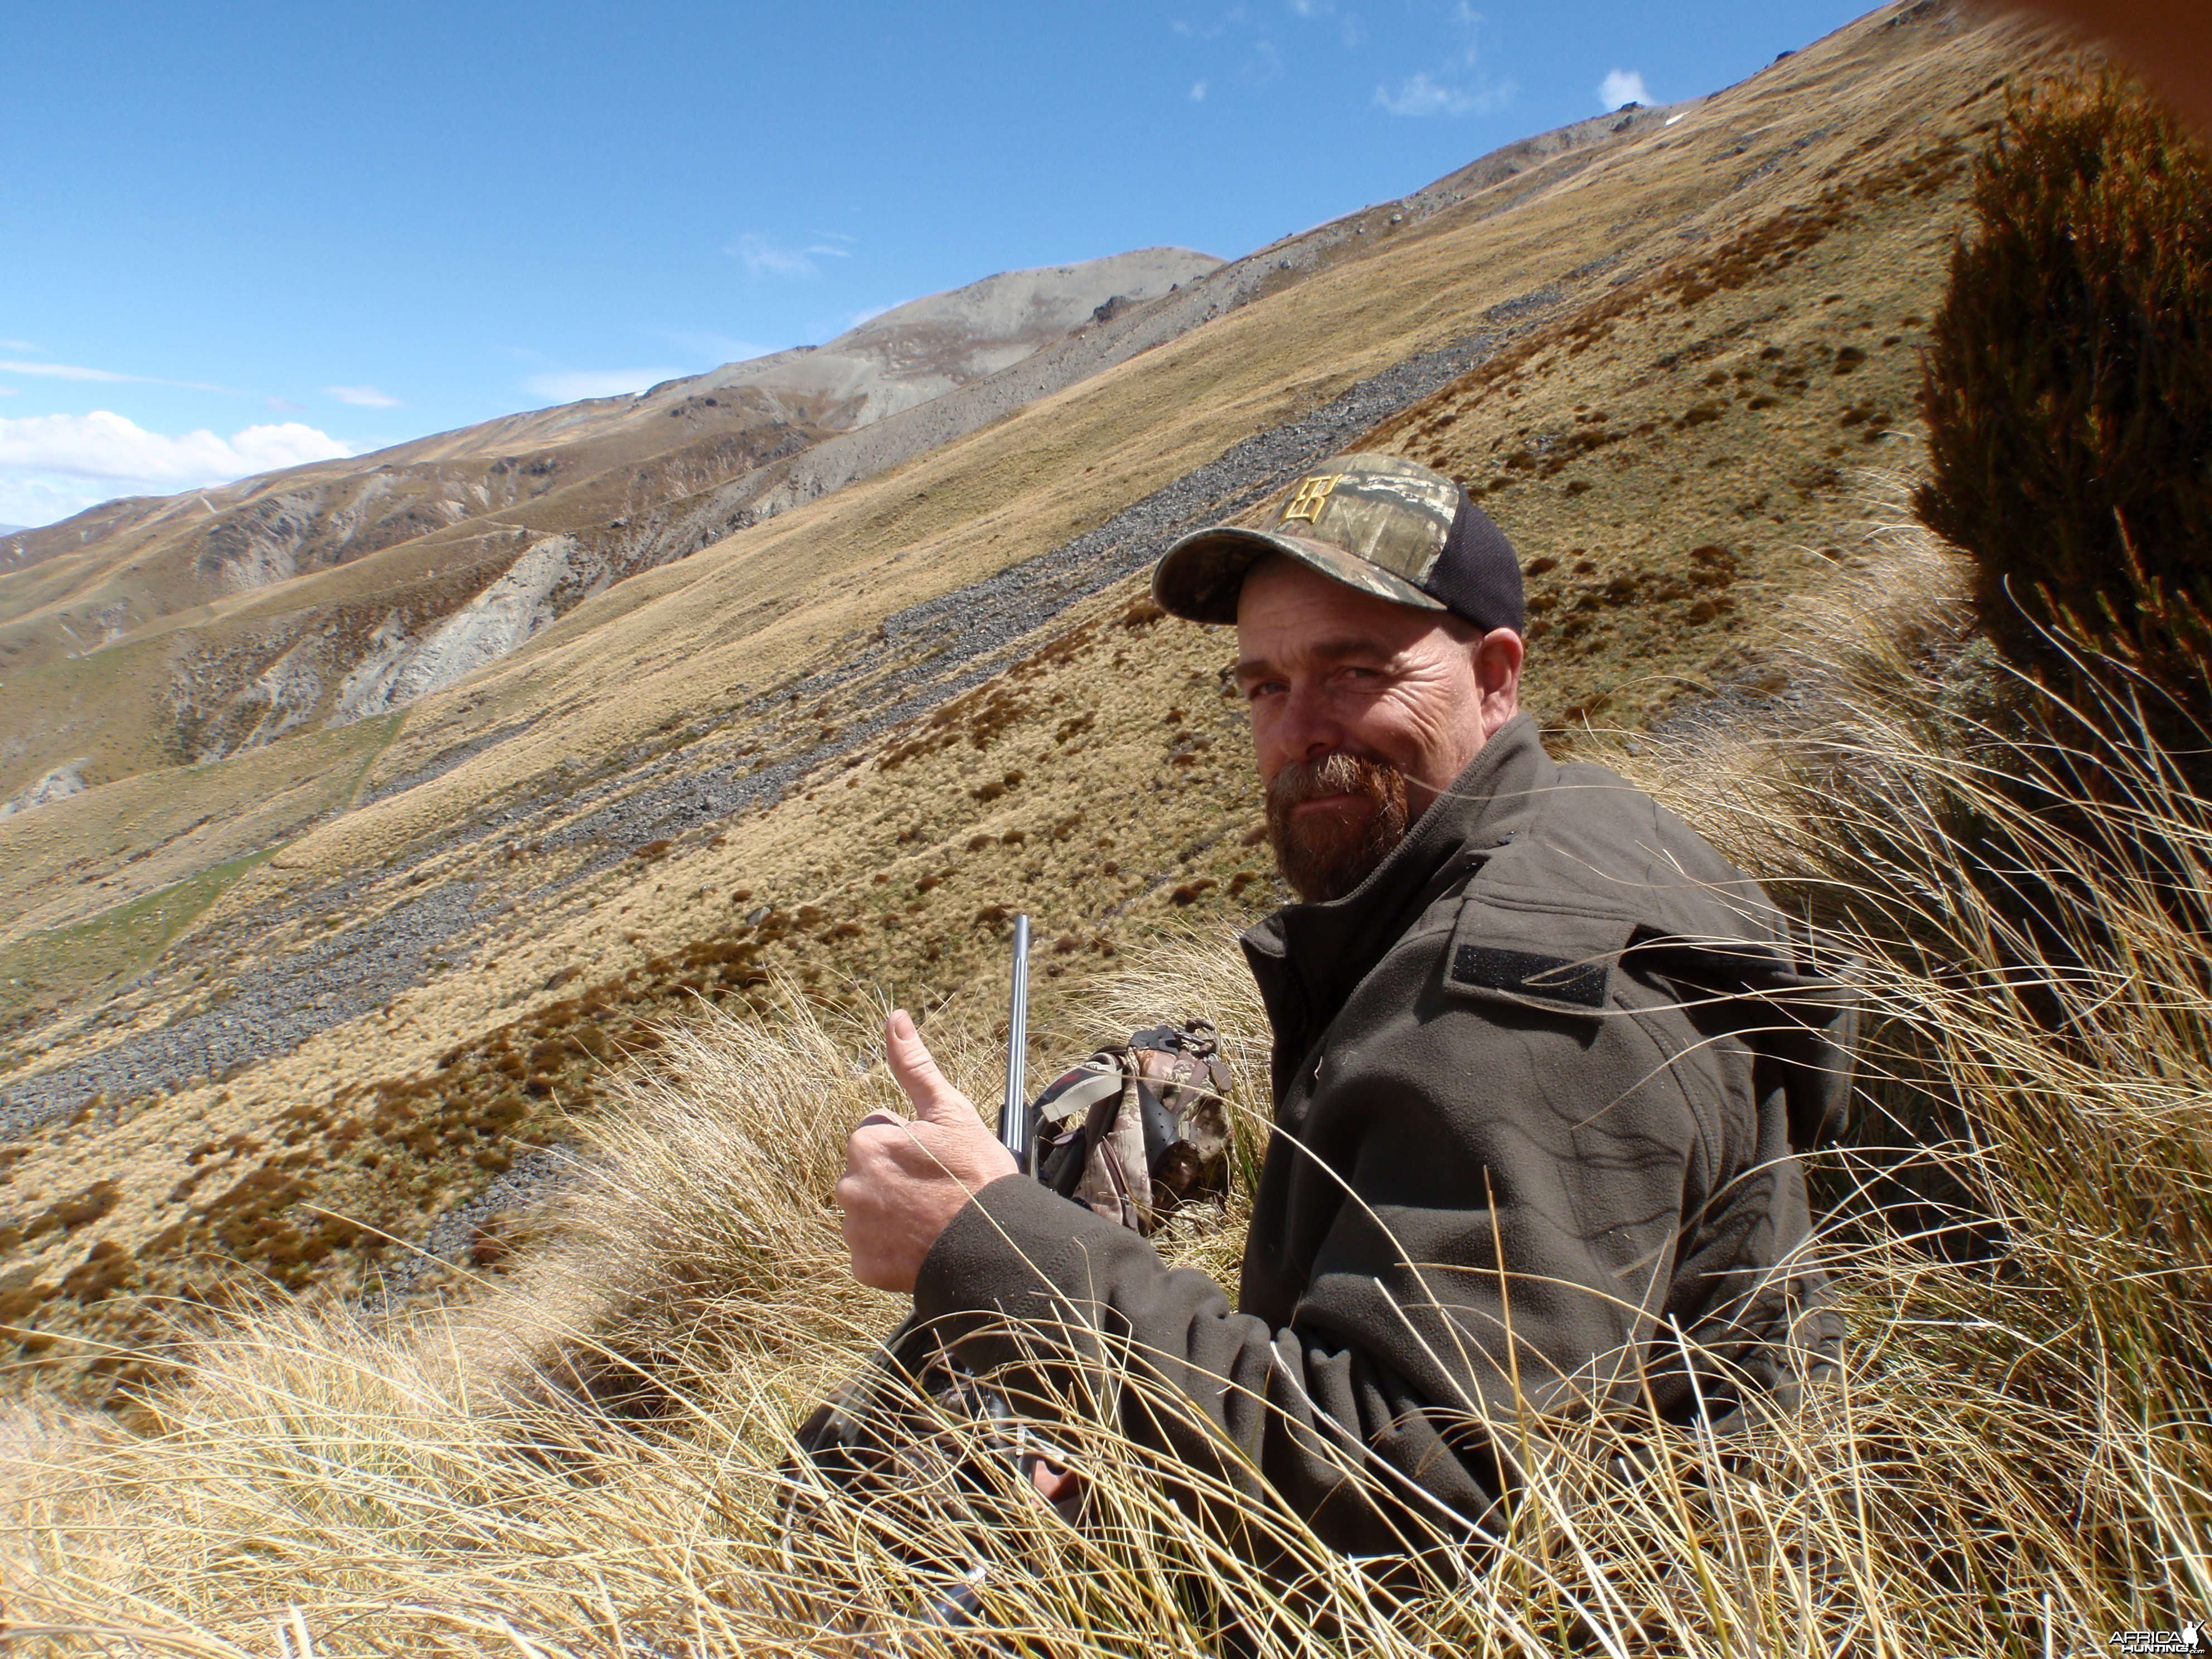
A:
[589, 1459]
[2065, 385]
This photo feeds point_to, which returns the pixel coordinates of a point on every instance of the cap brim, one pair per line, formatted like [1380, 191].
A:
[1200, 576]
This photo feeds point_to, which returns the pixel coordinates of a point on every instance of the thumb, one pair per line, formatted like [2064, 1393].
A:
[934, 1099]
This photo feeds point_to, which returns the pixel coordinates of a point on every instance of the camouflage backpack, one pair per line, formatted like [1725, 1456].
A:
[1140, 1128]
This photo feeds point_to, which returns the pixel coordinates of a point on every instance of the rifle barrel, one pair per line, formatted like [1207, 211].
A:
[1014, 1128]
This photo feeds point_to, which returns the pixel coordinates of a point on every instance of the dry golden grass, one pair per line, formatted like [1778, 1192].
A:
[2016, 1458]
[1662, 450]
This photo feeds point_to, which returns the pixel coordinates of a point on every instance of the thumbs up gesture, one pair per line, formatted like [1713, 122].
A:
[905, 1179]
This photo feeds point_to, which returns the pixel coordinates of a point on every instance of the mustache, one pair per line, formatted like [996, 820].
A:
[1333, 774]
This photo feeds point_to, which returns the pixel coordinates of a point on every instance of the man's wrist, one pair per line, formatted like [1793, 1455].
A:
[998, 1255]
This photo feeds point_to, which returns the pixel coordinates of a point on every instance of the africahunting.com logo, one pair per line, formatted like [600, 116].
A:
[2192, 1638]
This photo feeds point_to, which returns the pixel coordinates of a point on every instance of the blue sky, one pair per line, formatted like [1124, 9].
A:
[237, 236]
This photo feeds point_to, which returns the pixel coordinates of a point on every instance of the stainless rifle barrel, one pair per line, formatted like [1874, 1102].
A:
[1014, 1128]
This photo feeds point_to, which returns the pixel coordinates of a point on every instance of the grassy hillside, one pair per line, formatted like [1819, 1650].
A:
[586, 1458]
[842, 745]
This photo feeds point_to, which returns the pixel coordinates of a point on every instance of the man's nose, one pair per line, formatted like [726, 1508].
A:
[1309, 728]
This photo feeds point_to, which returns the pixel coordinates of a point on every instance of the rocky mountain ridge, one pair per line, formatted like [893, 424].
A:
[479, 526]
[346, 985]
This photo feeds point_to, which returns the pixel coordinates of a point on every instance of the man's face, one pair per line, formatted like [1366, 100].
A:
[1362, 713]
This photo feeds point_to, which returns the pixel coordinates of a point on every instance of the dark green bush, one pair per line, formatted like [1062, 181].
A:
[2068, 385]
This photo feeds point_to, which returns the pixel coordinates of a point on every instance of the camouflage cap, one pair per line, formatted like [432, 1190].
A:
[1378, 523]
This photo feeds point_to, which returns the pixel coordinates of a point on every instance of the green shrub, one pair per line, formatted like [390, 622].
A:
[2068, 385]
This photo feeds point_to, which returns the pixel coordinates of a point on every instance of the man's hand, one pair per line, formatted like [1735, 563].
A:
[904, 1181]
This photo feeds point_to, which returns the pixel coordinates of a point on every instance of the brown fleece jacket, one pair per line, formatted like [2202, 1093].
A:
[1537, 1084]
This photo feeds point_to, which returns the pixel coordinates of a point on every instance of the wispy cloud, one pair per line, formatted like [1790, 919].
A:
[1417, 94]
[1248, 31]
[10, 391]
[1211, 30]
[18, 345]
[64, 372]
[708, 347]
[1457, 85]
[282, 405]
[1348, 30]
[1623, 87]
[79, 371]
[569, 385]
[767, 256]
[1421, 94]
[361, 396]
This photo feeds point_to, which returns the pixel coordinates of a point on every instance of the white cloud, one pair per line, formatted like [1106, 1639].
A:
[10, 391]
[1198, 92]
[361, 396]
[764, 256]
[17, 345]
[52, 465]
[1422, 95]
[105, 445]
[568, 385]
[1623, 87]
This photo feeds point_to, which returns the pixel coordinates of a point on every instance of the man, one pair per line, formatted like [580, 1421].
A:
[1541, 1056]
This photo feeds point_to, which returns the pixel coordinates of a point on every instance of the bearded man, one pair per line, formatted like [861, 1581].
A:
[1542, 1057]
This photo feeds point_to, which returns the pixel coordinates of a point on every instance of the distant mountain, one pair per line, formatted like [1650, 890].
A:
[338, 590]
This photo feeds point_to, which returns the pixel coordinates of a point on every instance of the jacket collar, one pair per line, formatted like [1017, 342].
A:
[1307, 958]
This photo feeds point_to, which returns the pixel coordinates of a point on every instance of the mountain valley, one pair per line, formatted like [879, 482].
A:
[367, 814]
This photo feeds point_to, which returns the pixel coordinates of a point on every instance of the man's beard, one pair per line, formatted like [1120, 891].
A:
[1324, 855]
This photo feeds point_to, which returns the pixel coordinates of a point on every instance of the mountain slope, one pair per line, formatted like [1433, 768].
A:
[188, 628]
[356, 976]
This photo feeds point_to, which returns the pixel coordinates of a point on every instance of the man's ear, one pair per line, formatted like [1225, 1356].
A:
[1497, 656]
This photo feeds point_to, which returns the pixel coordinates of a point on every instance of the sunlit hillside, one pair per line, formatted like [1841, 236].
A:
[279, 1019]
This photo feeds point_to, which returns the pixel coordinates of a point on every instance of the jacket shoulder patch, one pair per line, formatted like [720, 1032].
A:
[1531, 933]
[1524, 973]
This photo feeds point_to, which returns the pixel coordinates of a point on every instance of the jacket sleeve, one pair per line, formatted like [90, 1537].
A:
[1370, 1411]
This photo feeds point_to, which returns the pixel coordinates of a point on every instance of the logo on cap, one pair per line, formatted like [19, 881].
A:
[1306, 502]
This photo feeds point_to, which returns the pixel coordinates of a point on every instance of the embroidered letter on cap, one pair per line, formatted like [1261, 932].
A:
[1523, 973]
[1311, 493]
